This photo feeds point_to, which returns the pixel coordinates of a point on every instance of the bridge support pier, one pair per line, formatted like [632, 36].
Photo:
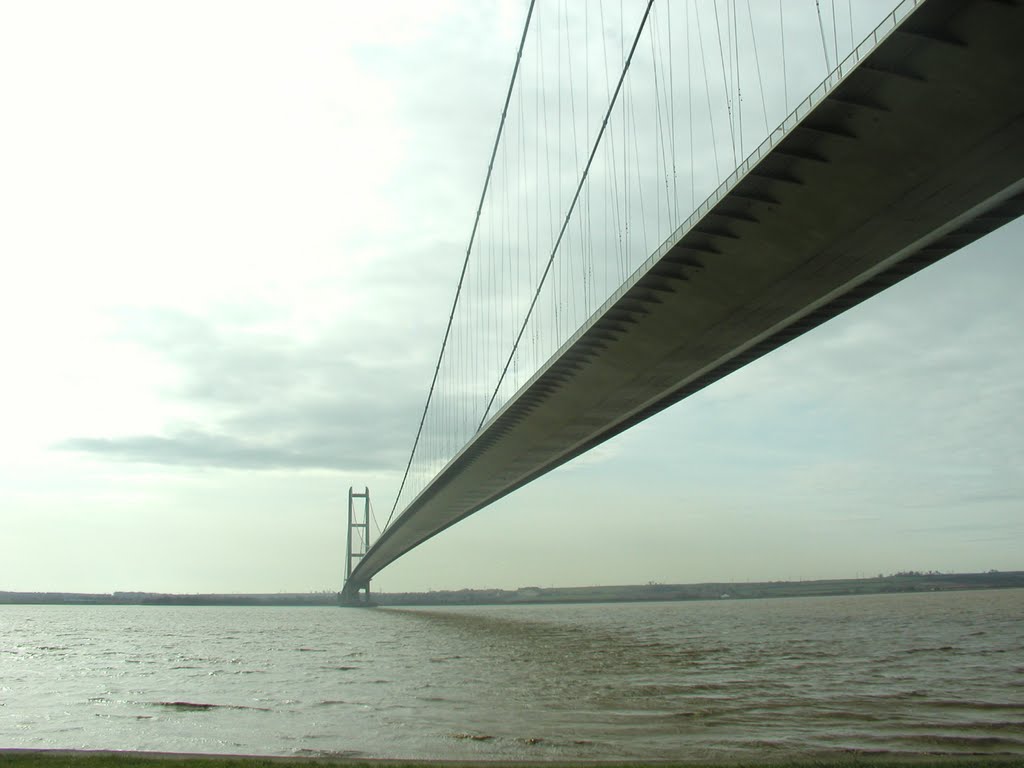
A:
[357, 544]
[356, 596]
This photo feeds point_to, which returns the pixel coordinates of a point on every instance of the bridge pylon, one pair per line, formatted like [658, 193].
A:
[357, 544]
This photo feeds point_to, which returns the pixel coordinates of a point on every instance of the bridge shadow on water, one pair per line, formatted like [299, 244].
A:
[810, 677]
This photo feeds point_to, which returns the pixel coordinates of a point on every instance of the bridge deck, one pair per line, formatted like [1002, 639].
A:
[917, 152]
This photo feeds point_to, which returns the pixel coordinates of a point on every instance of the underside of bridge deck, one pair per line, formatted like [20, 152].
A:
[916, 153]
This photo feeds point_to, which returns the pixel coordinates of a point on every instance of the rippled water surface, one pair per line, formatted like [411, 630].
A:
[940, 672]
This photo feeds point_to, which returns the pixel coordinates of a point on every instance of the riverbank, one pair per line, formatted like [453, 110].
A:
[74, 759]
[897, 583]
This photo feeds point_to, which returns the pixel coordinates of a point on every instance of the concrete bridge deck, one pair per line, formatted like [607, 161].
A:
[915, 153]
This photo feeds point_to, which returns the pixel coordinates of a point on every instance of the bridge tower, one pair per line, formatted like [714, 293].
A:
[356, 546]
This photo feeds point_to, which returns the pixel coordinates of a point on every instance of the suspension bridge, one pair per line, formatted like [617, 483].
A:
[644, 231]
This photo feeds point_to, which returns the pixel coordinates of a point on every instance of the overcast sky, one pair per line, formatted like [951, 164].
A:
[229, 237]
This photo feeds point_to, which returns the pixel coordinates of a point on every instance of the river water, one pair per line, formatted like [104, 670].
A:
[725, 680]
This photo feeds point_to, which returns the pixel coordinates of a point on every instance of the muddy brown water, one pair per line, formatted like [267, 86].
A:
[939, 673]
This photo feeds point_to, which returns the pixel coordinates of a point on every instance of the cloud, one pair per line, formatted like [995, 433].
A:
[202, 449]
[260, 398]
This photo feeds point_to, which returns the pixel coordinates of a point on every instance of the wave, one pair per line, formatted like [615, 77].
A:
[996, 705]
[331, 754]
[986, 743]
[192, 706]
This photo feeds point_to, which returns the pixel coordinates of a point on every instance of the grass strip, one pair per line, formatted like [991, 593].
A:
[75, 759]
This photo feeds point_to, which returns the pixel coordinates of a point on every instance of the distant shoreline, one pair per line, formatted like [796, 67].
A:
[895, 583]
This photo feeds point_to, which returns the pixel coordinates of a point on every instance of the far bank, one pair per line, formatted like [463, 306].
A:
[908, 581]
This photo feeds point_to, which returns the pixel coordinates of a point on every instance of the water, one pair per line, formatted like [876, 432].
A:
[936, 673]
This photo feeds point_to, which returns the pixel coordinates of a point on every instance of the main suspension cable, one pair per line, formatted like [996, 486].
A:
[572, 206]
[824, 45]
[465, 263]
